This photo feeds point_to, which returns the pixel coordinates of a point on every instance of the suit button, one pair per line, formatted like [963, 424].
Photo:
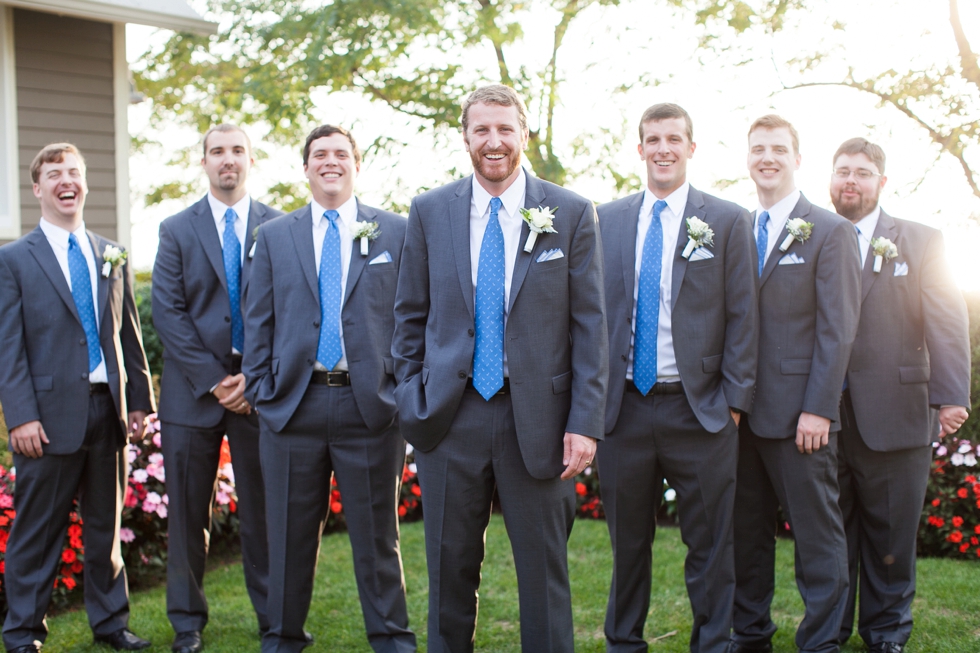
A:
[462, 374]
[227, 318]
[82, 341]
[84, 375]
[623, 357]
[309, 361]
[316, 323]
[470, 331]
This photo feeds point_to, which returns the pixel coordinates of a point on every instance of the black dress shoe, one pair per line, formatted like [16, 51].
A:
[123, 640]
[27, 648]
[887, 647]
[741, 648]
[188, 642]
[307, 635]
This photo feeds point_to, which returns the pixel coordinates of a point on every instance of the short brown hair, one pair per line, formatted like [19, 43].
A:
[54, 153]
[225, 128]
[497, 94]
[772, 121]
[666, 111]
[862, 146]
[329, 130]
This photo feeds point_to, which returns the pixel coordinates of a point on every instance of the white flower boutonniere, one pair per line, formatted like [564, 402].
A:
[699, 234]
[539, 220]
[112, 258]
[365, 232]
[799, 229]
[884, 250]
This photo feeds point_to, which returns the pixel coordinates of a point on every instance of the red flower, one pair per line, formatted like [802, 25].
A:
[69, 583]
[225, 456]
[74, 530]
[402, 511]
[976, 529]
[77, 567]
[962, 493]
[955, 537]
[957, 521]
[417, 490]
[975, 541]
[232, 506]
[971, 479]
[976, 488]
[131, 500]
[336, 507]
[964, 547]
[2, 566]
[69, 556]
[335, 495]
[580, 489]
[4, 520]
[935, 502]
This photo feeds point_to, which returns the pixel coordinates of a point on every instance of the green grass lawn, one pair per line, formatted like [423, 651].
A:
[946, 607]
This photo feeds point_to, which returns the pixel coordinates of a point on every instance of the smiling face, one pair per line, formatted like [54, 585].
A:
[494, 138]
[227, 161]
[772, 163]
[854, 197]
[665, 148]
[331, 169]
[61, 189]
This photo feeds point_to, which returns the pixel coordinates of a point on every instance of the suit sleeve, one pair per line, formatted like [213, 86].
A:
[742, 307]
[838, 293]
[411, 305]
[260, 326]
[139, 390]
[16, 385]
[180, 338]
[587, 322]
[947, 330]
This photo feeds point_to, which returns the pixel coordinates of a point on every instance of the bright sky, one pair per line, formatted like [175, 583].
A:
[643, 40]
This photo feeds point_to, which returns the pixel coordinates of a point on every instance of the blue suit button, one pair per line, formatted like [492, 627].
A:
[316, 323]
[462, 374]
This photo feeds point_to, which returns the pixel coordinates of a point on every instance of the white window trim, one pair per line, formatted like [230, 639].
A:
[121, 92]
[9, 147]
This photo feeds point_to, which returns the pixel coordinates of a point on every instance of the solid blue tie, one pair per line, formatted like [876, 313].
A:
[488, 357]
[648, 304]
[231, 252]
[328, 350]
[857, 231]
[762, 239]
[81, 292]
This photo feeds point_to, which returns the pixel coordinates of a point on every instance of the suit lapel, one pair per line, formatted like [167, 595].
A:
[884, 229]
[45, 257]
[357, 262]
[801, 210]
[208, 234]
[695, 204]
[627, 243]
[459, 226]
[534, 197]
[98, 246]
[302, 230]
[256, 215]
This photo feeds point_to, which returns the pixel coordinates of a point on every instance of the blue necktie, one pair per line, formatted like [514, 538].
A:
[488, 357]
[81, 292]
[857, 231]
[328, 350]
[762, 239]
[231, 252]
[648, 304]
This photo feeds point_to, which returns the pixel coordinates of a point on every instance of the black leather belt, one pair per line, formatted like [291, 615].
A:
[503, 391]
[662, 388]
[332, 379]
[98, 388]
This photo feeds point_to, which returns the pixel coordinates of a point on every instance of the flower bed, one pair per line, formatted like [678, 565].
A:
[950, 525]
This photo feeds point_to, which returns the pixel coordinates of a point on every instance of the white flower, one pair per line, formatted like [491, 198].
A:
[539, 220]
[799, 230]
[884, 250]
[970, 460]
[670, 494]
[113, 257]
[156, 458]
[153, 498]
[361, 229]
[699, 234]
[957, 459]
[140, 475]
[965, 447]
[940, 450]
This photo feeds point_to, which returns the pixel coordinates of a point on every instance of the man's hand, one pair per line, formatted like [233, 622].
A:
[736, 416]
[231, 394]
[812, 432]
[579, 453]
[26, 439]
[951, 418]
[137, 425]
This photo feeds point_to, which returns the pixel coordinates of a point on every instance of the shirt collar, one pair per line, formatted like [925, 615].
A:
[512, 198]
[347, 212]
[869, 223]
[218, 208]
[59, 235]
[779, 212]
[676, 201]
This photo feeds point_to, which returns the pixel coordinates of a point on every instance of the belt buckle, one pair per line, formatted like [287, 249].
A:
[335, 384]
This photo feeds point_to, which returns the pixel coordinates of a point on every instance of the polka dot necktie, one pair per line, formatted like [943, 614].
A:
[328, 350]
[762, 239]
[81, 292]
[648, 304]
[488, 357]
[231, 252]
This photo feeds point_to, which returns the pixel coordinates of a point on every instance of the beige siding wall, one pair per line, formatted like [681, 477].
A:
[65, 93]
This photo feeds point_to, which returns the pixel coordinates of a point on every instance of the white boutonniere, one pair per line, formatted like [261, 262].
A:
[799, 229]
[539, 220]
[884, 250]
[365, 232]
[699, 234]
[112, 258]
[255, 234]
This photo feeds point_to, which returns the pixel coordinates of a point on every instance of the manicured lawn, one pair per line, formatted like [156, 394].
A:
[946, 607]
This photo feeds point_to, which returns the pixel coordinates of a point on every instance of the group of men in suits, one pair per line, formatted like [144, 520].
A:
[498, 333]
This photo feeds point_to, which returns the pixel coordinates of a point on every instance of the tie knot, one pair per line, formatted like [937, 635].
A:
[658, 208]
[230, 217]
[495, 204]
[763, 218]
[72, 241]
[332, 216]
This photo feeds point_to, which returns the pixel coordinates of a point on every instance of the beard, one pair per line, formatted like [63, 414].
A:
[497, 173]
[228, 181]
[857, 208]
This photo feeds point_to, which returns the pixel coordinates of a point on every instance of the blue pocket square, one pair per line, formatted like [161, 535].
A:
[901, 269]
[701, 254]
[791, 259]
[550, 255]
[383, 257]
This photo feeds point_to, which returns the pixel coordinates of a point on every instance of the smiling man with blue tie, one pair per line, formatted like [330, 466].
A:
[500, 354]
[318, 366]
[73, 380]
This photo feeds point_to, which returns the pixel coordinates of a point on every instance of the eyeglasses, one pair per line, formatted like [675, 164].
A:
[860, 173]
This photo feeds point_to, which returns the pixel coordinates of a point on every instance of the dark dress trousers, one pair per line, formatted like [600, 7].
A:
[44, 370]
[555, 342]
[808, 314]
[911, 356]
[690, 438]
[311, 431]
[191, 313]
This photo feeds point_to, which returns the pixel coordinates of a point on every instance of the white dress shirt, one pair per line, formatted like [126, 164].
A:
[241, 209]
[670, 219]
[509, 217]
[866, 231]
[778, 217]
[58, 239]
[348, 216]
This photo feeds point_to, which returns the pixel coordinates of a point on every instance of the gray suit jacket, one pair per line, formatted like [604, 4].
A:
[808, 319]
[912, 351]
[191, 311]
[282, 318]
[44, 356]
[556, 330]
[714, 307]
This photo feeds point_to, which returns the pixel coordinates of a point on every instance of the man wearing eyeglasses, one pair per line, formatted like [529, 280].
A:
[908, 382]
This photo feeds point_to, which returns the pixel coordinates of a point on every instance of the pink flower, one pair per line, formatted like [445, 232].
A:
[162, 511]
[6, 501]
[156, 440]
[140, 475]
[126, 534]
